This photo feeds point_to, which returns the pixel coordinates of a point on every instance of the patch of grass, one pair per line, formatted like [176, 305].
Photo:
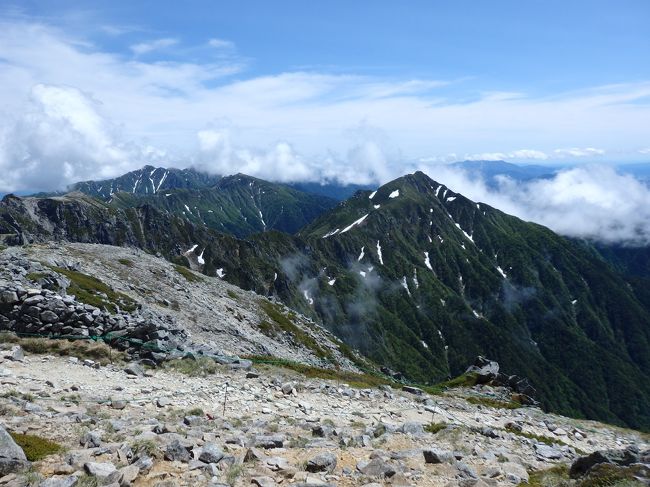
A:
[187, 273]
[282, 322]
[199, 367]
[433, 428]
[148, 447]
[297, 442]
[18, 395]
[465, 380]
[36, 447]
[126, 262]
[359, 381]
[493, 403]
[557, 476]
[609, 475]
[233, 474]
[90, 290]
[87, 481]
[195, 412]
[35, 276]
[533, 436]
[83, 349]
[232, 295]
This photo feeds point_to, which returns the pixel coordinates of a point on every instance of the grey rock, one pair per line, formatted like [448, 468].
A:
[99, 470]
[68, 481]
[16, 354]
[134, 369]
[325, 462]
[175, 452]
[376, 468]
[617, 457]
[161, 402]
[49, 317]
[465, 471]
[412, 428]
[437, 455]
[547, 452]
[269, 441]
[413, 390]
[91, 439]
[253, 454]
[263, 481]
[12, 457]
[118, 404]
[211, 453]
[8, 297]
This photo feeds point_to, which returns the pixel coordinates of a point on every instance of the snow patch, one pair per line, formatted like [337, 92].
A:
[221, 273]
[405, 285]
[379, 254]
[362, 254]
[394, 194]
[502, 272]
[372, 195]
[427, 262]
[329, 234]
[200, 258]
[331, 282]
[353, 224]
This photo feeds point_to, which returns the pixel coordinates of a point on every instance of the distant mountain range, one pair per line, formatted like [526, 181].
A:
[418, 277]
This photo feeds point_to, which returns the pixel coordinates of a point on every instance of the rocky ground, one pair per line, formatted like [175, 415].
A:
[209, 313]
[124, 425]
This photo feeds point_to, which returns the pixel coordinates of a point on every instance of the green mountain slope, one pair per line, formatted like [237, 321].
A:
[420, 279]
[239, 205]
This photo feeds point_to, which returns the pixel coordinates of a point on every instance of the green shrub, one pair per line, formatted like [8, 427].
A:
[434, 428]
[187, 273]
[36, 447]
[126, 262]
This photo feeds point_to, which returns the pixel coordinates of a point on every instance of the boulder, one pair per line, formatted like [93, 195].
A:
[12, 457]
[325, 462]
[437, 455]
[618, 457]
[484, 369]
[211, 453]
[175, 452]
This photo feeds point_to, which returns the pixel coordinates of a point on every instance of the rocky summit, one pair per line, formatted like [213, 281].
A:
[81, 423]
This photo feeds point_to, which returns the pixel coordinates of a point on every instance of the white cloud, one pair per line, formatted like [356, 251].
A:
[221, 44]
[154, 45]
[644, 151]
[592, 202]
[61, 137]
[579, 152]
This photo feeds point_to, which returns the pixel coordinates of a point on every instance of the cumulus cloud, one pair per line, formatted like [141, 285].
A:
[154, 45]
[593, 202]
[61, 137]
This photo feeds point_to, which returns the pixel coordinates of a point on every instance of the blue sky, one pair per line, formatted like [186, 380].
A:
[354, 91]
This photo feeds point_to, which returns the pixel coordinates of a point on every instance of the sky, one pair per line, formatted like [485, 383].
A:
[351, 92]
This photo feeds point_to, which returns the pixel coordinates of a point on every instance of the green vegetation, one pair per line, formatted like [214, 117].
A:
[87, 481]
[25, 396]
[187, 273]
[359, 381]
[282, 322]
[193, 367]
[602, 475]
[232, 295]
[464, 380]
[126, 262]
[90, 290]
[233, 473]
[435, 427]
[35, 276]
[492, 403]
[83, 349]
[533, 436]
[36, 447]
[195, 412]
[148, 447]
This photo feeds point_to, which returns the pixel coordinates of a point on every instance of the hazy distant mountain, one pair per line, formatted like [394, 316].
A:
[488, 170]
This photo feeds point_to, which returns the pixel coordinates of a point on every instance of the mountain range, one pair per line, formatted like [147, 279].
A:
[416, 276]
